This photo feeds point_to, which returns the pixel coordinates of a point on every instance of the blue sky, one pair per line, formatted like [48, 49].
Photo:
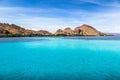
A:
[54, 14]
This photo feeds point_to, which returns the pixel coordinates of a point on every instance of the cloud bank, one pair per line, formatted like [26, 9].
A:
[105, 19]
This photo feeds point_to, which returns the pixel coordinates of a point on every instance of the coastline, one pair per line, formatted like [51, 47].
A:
[7, 36]
[12, 30]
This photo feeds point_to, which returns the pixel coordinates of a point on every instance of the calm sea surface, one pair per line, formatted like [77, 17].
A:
[60, 58]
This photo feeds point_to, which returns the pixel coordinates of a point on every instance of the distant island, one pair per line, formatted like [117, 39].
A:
[12, 30]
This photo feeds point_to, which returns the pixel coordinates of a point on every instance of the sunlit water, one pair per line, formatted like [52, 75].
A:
[60, 58]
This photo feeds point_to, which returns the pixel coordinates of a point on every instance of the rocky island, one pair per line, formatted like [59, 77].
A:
[84, 30]
[12, 30]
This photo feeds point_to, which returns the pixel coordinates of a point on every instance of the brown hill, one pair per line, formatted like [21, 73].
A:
[87, 30]
[68, 31]
[59, 32]
[84, 30]
[44, 32]
[7, 29]
[10, 29]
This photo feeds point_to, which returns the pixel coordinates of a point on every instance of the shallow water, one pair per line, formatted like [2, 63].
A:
[60, 58]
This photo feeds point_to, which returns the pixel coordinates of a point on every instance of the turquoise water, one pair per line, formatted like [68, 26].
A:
[60, 58]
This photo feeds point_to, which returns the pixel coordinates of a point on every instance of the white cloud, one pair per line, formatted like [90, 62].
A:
[112, 3]
[106, 21]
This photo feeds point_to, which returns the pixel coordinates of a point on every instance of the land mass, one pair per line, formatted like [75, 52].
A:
[12, 30]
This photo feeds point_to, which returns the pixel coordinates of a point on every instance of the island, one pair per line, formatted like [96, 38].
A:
[12, 30]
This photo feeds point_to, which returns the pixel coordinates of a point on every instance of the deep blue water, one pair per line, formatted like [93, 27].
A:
[60, 58]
